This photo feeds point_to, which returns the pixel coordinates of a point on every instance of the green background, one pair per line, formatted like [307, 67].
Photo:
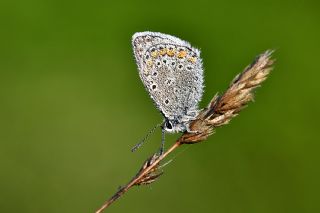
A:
[72, 106]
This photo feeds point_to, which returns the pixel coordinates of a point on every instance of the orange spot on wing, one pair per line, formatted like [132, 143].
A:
[192, 59]
[149, 62]
[182, 54]
[154, 54]
[170, 52]
[163, 51]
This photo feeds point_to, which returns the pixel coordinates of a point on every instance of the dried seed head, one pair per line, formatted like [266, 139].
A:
[151, 175]
[223, 108]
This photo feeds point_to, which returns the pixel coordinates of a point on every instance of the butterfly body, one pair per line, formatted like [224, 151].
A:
[171, 71]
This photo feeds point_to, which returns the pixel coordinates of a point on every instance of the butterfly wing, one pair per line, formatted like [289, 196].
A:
[171, 71]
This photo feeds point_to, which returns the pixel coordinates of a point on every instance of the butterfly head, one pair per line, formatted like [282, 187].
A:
[173, 126]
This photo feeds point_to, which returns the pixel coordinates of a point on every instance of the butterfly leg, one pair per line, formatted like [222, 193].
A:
[162, 140]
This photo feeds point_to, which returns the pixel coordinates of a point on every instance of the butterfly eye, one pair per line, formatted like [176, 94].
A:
[168, 125]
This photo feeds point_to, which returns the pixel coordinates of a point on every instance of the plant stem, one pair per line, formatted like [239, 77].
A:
[136, 179]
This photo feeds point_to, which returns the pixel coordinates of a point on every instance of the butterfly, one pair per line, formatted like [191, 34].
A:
[172, 73]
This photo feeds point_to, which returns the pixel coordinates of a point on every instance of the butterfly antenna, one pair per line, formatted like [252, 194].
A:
[138, 145]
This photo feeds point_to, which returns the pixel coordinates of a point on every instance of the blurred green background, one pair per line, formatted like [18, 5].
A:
[72, 106]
